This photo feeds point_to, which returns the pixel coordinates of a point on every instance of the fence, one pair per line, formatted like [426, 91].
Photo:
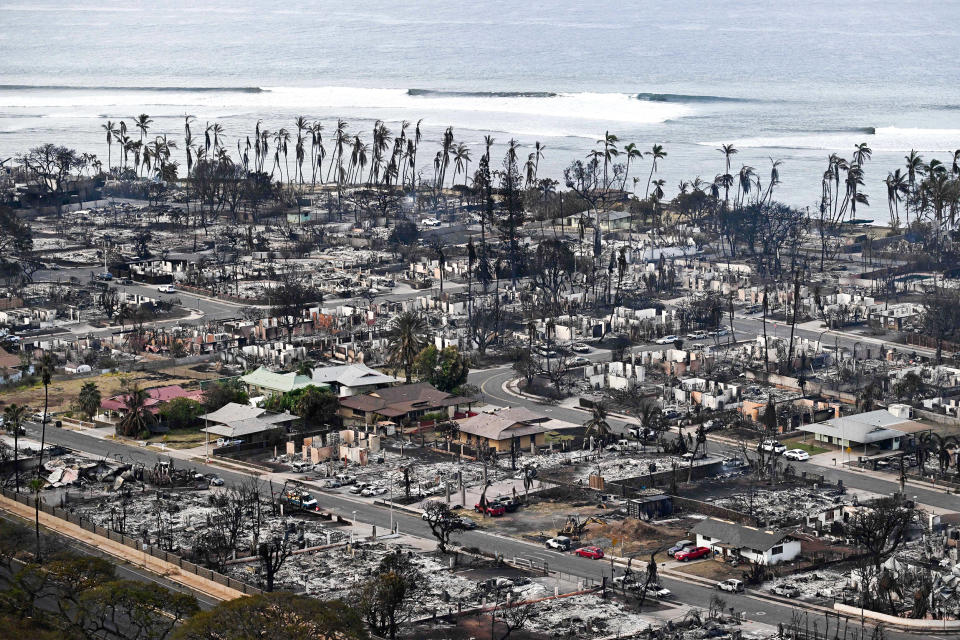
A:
[133, 543]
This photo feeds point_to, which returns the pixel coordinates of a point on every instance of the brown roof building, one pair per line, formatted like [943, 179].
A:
[497, 429]
[405, 402]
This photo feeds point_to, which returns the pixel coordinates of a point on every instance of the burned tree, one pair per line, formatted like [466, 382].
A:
[384, 600]
[881, 528]
[272, 555]
[443, 523]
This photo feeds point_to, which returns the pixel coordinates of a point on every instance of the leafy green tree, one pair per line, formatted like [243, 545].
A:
[406, 338]
[278, 616]
[384, 599]
[446, 369]
[315, 405]
[181, 413]
[88, 400]
[219, 394]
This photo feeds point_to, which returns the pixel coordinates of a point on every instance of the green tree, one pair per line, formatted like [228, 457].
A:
[446, 369]
[181, 413]
[315, 405]
[406, 338]
[137, 419]
[219, 394]
[88, 400]
[12, 419]
[383, 600]
[278, 616]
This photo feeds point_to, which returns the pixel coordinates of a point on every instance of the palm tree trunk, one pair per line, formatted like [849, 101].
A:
[39, 480]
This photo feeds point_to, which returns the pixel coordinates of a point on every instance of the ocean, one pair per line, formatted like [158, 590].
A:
[791, 81]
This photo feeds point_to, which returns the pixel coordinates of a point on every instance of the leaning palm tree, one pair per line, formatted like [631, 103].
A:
[597, 425]
[406, 338]
[631, 151]
[657, 153]
[13, 418]
[142, 122]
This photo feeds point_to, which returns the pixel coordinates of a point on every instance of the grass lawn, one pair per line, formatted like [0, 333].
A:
[180, 438]
[807, 446]
[713, 569]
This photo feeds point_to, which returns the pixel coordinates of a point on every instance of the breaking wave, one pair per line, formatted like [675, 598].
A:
[67, 87]
[681, 98]
[480, 94]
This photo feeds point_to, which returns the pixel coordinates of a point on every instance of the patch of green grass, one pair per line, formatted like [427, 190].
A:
[807, 446]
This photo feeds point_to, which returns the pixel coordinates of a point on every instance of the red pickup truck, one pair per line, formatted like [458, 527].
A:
[692, 554]
[493, 509]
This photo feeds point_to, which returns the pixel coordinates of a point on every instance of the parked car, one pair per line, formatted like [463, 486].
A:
[666, 339]
[331, 483]
[579, 361]
[468, 524]
[105, 276]
[712, 425]
[658, 590]
[680, 546]
[508, 503]
[692, 554]
[732, 585]
[300, 499]
[772, 446]
[167, 288]
[698, 335]
[560, 543]
[38, 417]
[492, 509]
[594, 553]
[796, 454]
[787, 590]
[579, 347]
[689, 455]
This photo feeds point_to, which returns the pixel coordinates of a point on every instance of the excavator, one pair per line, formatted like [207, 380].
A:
[574, 526]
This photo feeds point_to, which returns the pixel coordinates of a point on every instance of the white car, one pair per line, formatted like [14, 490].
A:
[796, 454]
[772, 446]
[431, 222]
[732, 585]
[659, 591]
[167, 288]
[666, 340]
[579, 347]
[579, 361]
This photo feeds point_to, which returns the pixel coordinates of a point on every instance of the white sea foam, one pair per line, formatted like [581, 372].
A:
[885, 140]
[393, 103]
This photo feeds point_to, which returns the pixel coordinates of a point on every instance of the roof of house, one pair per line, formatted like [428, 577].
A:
[235, 420]
[392, 402]
[8, 360]
[872, 426]
[351, 375]
[155, 397]
[510, 422]
[280, 382]
[739, 535]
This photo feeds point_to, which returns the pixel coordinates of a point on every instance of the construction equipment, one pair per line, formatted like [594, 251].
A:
[574, 526]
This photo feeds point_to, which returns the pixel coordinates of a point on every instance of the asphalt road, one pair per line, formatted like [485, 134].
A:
[754, 609]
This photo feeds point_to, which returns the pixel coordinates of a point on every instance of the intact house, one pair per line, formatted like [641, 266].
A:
[243, 424]
[351, 379]
[116, 406]
[498, 428]
[404, 403]
[880, 429]
[263, 382]
[735, 541]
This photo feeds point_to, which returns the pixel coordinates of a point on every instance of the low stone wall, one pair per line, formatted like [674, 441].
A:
[907, 623]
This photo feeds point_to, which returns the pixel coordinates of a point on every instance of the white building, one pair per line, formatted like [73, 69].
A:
[733, 540]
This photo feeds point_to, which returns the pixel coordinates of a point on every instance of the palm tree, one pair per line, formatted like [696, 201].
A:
[631, 151]
[861, 154]
[406, 338]
[896, 185]
[142, 122]
[46, 372]
[774, 178]
[597, 425]
[137, 418]
[610, 151]
[538, 154]
[657, 153]
[111, 133]
[727, 150]
[13, 418]
[461, 161]
[317, 151]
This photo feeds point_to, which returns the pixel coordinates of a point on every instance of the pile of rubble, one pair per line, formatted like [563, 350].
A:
[778, 508]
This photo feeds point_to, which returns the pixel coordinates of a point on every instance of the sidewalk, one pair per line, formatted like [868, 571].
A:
[123, 553]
